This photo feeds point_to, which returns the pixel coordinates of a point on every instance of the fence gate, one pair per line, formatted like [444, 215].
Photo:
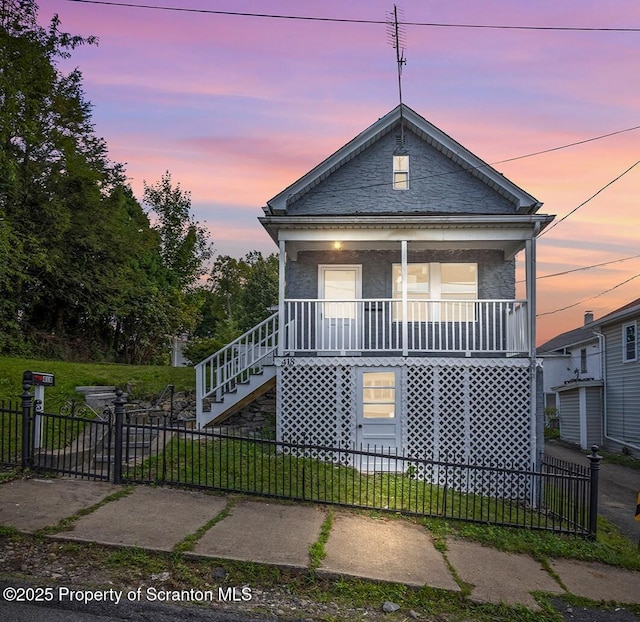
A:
[77, 441]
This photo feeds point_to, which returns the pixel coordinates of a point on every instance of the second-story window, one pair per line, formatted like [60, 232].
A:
[629, 343]
[583, 361]
[401, 172]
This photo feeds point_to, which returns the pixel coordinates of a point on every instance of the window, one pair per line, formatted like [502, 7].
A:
[629, 342]
[379, 395]
[401, 172]
[436, 282]
[583, 361]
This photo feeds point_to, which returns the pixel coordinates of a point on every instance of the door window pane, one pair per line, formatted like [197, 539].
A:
[341, 286]
[379, 395]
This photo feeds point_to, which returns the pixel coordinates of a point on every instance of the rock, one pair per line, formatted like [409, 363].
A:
[219, 573]
[163, 576]
[414, 614]
[390, 607]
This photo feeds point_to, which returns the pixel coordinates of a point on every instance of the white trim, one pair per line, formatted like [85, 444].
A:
[582, 416]
[401, 179]
[282, 263]
[635, 342]
[398, 414]
[428, 132]
[339, 266]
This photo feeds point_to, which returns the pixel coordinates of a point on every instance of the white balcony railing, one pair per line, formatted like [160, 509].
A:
[221, 372]
[422, 326]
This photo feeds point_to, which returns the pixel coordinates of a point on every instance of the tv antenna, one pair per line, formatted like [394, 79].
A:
[397, 38]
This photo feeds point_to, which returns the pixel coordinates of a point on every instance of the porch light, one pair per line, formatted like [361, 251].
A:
[337, 246]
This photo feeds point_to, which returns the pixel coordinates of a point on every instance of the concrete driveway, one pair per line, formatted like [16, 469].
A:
[618, 488]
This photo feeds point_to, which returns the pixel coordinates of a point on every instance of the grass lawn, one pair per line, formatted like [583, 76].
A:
[259, 467]
[142, 381]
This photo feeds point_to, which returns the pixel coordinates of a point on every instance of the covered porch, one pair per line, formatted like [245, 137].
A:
[337, 310]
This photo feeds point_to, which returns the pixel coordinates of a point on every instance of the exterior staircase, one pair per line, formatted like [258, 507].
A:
[236, 375]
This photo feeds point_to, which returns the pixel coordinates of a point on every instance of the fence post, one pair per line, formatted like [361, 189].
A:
[117, 451]
[594, 459]
[27, 444]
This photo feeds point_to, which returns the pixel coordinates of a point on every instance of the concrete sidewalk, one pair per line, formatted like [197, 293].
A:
[280, 534]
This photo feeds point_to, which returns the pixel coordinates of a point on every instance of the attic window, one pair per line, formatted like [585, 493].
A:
[401, 172]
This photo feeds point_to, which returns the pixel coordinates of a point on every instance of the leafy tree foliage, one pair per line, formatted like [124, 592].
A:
[240, 294]
[83, 272]
[184, 245]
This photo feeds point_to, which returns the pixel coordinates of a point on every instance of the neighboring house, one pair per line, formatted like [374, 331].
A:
[602, 405]
[573, 383]
[621, 363]
[398, 325]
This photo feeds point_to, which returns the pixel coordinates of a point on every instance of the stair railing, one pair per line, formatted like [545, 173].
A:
[221, 372]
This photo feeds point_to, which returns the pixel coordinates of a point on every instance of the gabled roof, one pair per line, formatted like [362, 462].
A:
[588, 331]
[625, 311]
[523, 201]
[566, 340]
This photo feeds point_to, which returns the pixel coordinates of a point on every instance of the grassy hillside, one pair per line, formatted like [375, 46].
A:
[141, 381]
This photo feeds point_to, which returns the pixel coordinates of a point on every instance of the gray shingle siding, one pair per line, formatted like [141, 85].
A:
[622, 388]
[437, 185]
[496, 277]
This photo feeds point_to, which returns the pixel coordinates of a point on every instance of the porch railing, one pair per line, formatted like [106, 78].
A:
[420, 326]
[221, 372]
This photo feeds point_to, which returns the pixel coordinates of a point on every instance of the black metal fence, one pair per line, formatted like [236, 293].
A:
[558, 496]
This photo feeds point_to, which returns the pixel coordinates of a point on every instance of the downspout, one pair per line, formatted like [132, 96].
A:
[603, 366]
[605, 423]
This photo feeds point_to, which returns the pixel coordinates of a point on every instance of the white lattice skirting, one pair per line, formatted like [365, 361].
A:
[452, 409]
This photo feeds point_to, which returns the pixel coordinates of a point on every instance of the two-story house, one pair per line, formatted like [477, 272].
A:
[398, 324]
[592, 376]
[573, 383]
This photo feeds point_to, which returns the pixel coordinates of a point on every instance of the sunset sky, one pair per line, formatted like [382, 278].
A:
[239, 107]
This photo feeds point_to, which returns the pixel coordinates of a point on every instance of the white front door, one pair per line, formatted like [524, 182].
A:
[340, 312]
[378, 419]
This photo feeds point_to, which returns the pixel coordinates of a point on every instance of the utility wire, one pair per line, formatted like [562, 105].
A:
[593, 196]
[597, 265]
[575, 304]
[357, 21]
[316, 191]
[579, 142]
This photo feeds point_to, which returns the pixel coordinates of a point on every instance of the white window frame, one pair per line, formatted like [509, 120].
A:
[583, 361]
[401, 172]
[395, 387]
[625, 358]
[434, 289]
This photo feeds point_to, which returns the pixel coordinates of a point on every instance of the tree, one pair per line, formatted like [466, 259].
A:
[184, 244]
[46, 138]
[260, 291]
[240, 294]
[83, 272]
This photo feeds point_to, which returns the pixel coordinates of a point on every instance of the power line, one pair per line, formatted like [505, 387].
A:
[575, 304]
[580, 142]
[317, 191]
[597, 265]
[593, 196]
[359, 21]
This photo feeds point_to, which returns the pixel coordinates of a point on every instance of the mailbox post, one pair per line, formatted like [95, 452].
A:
[38, 380]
